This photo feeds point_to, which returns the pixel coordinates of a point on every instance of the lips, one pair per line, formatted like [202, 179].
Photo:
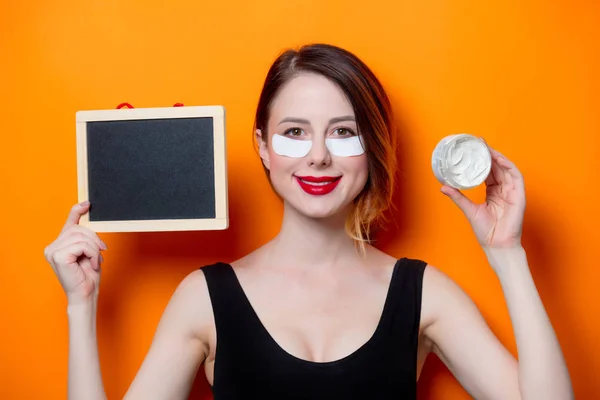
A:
[318, 185]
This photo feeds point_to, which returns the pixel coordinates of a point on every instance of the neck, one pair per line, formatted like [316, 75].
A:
[312, 242]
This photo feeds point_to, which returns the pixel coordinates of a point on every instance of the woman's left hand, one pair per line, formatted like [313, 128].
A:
[498, 221]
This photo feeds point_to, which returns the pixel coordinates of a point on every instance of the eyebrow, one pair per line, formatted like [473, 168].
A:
[334, 120]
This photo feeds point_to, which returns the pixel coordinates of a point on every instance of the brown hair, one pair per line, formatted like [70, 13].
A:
[373, 114]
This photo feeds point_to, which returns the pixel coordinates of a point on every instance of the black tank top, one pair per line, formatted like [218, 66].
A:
[249, 364]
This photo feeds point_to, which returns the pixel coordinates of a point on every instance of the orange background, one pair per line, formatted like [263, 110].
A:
[522, 74]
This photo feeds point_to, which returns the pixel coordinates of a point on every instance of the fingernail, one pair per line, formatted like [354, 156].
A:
[85, 203]
[101, 258]
[104, 246]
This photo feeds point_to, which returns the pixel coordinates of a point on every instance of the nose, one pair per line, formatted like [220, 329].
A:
[319, 155]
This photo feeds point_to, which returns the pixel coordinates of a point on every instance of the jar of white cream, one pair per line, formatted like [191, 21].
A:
[462, 161]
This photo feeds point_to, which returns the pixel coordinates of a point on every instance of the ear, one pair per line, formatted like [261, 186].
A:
[263, 148]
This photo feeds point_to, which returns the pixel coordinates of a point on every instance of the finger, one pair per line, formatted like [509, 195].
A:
[90, 258]
[510, 172]
[86, 240]
[83, 248]
[491, 178]
[93, 255]
[495, 153]
[509, 167]
[82, 230]
[503, 170]
[90, 265]
[496, 176]
[75, 215]
[49, 250]
[462, 201]
[499, 157]
[86, 265]
[68, 256]
[74, 236]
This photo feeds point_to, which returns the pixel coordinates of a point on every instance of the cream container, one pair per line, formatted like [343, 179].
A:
[462, 161]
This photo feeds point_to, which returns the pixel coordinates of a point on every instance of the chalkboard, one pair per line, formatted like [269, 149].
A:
[153, 169]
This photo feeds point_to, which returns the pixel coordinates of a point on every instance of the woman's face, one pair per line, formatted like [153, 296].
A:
[315, 182]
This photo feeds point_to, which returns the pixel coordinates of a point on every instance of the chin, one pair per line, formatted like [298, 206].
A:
[318, 207]
[317, 211]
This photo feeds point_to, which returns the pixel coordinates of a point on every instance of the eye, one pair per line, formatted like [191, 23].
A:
[344, 132]
[293, 132]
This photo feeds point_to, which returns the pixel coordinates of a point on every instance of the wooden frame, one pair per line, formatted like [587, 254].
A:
[217, 113]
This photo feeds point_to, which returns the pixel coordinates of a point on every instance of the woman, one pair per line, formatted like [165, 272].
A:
[317, 312]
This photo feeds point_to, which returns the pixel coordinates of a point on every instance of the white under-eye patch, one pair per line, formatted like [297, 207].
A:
[346, 147]
[290, 147]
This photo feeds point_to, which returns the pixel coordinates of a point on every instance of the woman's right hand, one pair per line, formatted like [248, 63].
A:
[75, 257]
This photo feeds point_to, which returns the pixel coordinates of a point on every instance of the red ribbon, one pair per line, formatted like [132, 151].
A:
[130, 106]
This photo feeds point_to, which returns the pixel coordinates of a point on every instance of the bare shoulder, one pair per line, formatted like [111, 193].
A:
[442, 300]
[438, 290]
[191, 305]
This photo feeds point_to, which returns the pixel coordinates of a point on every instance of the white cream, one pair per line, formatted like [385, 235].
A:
[462, 161]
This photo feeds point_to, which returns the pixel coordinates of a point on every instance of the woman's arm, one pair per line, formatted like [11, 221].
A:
[542, 369]
[181, 341]
[460, 335]
[464, 342]
[177, 350]
[85, 378]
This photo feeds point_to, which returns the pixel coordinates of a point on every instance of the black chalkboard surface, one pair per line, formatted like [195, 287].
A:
[153, 169]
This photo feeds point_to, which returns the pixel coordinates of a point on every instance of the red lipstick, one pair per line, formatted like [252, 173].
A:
[318, 185]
